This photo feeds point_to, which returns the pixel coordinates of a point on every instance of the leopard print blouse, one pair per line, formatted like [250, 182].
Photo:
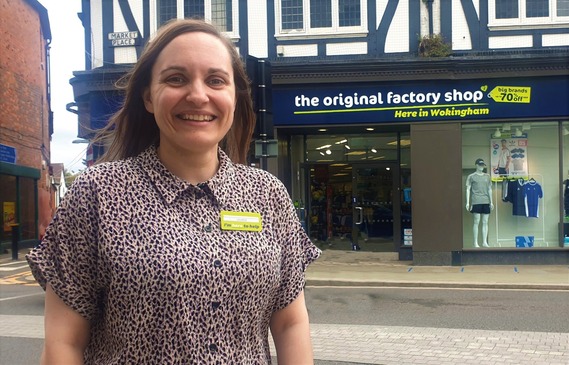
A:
[140, 253]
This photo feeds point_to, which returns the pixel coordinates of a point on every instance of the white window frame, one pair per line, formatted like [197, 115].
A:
[523, 22]
[233, 35]
[333, 31]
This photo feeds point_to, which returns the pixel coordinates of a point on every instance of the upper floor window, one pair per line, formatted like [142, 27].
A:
[321, 17]
[167, 9]
[528, 12]
[221, 13]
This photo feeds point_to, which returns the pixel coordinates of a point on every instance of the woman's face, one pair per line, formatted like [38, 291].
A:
[192, 93]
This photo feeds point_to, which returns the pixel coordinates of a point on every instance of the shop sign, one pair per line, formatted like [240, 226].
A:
[7, 154]
[123, 39]
[422, 101]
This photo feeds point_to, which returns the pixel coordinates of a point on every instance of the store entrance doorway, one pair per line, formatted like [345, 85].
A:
[355, 206]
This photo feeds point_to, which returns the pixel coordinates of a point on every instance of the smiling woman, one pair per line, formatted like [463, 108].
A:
[170, 252]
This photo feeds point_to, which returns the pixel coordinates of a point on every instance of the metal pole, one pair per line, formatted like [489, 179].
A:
[264, 152]
[262, 111]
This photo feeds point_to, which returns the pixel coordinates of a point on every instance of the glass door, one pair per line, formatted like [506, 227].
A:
[376, 207]
[354, 206]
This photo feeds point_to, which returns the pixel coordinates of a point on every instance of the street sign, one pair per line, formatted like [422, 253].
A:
[7, 154]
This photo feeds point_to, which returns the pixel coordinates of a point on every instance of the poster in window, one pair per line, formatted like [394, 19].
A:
[9, 216]
[509, 156]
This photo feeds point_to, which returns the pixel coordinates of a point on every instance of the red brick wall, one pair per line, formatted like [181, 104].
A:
[24, 120]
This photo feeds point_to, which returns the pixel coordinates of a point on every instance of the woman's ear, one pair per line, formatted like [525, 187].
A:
[148, 100]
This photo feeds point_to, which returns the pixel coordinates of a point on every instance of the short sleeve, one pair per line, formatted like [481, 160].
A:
[297, 250]
[67, 256]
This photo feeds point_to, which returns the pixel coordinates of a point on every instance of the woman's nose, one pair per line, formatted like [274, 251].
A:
[197, 93]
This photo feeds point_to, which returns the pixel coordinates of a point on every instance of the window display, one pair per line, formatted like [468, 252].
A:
[523, 187]
[479, 200]
[524, 196]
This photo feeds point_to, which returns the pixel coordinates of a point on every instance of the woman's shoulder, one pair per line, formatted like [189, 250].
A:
[113, 170]
[255, 174]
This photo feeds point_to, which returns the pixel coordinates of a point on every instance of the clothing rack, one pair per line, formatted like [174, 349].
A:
[497, 197]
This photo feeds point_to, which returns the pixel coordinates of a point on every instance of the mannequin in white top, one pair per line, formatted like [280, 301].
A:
[479, 200]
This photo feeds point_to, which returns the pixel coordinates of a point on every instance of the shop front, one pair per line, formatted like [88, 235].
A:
[19, 205]
[392, 167]
[353, 190]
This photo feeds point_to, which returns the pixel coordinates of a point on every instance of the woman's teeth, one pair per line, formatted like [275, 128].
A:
[200, 118]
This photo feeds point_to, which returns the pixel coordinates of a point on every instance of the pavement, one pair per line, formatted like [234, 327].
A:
[358, 268]
[349, 344]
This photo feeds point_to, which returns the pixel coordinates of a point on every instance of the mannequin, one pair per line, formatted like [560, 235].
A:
[479, 200]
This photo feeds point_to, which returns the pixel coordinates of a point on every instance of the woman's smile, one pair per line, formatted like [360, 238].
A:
[196, 117]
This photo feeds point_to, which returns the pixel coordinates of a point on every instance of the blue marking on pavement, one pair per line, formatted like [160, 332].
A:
[410, 269]
[462, 269]
[516, 269]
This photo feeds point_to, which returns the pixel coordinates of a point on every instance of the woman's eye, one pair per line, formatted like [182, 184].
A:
[177, 80]
[216, 81]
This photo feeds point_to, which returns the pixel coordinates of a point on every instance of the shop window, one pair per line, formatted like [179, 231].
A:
[321, 17]
[9, 199]
[511, 185]
[18, 209]
[221, 13]
[528, 12]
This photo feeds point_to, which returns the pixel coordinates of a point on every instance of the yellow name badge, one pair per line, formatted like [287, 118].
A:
[241, 221]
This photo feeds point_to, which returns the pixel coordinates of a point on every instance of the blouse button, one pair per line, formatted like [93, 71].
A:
[217, 263]
[215, 305]
[213, 347]
[207, 228]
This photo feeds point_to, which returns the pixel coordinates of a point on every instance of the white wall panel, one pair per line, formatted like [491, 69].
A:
[126, 54]
[335, 49]
[398, 33]
[555, 40]
[460, 34]
[436, 16]
[380, 6]
[299, 51]
[424, 14]
[96, 33]
[521, 41]
[258, 36]
[153, 19]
